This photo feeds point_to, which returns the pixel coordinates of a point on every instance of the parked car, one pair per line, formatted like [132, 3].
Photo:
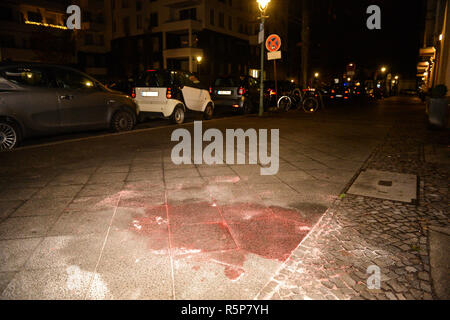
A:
[38, 99]
[339, 92]
[241, 93]
[170, 94]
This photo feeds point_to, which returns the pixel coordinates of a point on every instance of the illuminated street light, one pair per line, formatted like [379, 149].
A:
[199, 59]
[383, 69]
[262, 8]
[263, 4]
[348, 79]
[316, 75]
[396, 77]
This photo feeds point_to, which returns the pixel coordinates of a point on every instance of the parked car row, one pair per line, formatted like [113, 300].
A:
[42, 99]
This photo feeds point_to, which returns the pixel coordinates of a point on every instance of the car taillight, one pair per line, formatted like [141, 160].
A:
[169, 93]
[241, 91]
[272, 92]
[332, 91]
[133, 93]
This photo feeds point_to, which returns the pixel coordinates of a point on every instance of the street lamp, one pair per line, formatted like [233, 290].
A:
[316, 75]
[199, 61]
[383, 69]
[262, 4]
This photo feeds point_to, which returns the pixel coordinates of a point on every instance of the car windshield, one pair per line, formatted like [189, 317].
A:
[153, 78]
[226, 82]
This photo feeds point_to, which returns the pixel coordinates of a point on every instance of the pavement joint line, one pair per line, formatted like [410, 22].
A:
[116, 134]
[103, 248]
[107, 232]
[170, 246]
[298, 168]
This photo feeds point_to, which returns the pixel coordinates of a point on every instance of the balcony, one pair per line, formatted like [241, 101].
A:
[181, 3]
[179, 25]
[182, 53]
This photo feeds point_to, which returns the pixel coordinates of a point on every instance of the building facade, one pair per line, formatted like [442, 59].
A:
[433, 67]
[35, 31]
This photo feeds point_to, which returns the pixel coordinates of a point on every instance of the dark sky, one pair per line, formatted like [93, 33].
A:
[339, 35]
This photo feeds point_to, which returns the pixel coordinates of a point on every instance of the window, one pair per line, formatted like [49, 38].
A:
[125, 3]
[155, 44]
[153, 79]
[34, 16]
[230, 23]
[72, 80]
[211, 17]
[138, 5]
[139, 22]
[113, 4]
[7, 41]
[221, 20]
[154, 19]
[27, 76]
[6, 13]
[114, 26]
[126, 25]
[187, 14]
[88, 39]
[190, 80]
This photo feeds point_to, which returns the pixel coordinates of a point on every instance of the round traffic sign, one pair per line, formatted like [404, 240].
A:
[273, 42]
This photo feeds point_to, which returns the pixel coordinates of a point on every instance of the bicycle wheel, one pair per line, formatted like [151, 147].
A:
[310, 105]
[284, 103]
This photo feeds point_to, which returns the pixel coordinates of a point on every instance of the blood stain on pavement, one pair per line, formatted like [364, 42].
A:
[225, 234]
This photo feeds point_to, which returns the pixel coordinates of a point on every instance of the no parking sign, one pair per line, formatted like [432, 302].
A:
[273, 42]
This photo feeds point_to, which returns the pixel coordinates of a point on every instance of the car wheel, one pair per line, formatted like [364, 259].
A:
[9, 136]
[209, 111]
[178, 115]
[122, 121]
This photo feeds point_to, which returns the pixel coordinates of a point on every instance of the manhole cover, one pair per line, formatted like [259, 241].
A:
[385, 185]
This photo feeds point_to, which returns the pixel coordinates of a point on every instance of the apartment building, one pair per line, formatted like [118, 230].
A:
[434, 66]
[205, 36]
[93, 41]
[35, 31]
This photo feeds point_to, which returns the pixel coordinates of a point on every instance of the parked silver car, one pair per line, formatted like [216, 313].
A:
[37, 99]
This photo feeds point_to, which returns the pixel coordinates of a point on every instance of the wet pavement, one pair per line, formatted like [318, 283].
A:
[112, 217]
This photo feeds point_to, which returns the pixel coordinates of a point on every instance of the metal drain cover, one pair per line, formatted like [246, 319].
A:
[385, 185]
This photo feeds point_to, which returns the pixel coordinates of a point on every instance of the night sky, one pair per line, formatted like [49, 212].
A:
[339, 35]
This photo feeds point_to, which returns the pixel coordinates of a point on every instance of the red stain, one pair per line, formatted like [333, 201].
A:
[233, 273]
[222, 235]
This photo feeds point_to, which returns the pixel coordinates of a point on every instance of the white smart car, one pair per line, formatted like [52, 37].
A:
[169, 94]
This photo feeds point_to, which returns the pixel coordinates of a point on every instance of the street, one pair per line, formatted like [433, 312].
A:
[110, 216]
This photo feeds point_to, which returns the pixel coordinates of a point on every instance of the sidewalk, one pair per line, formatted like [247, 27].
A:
[357, 232]
[113, 218]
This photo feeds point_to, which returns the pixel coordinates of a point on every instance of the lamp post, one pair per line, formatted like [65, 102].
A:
[262, 4]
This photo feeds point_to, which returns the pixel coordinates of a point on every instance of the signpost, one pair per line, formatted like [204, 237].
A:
[273, 44]
[261, 34]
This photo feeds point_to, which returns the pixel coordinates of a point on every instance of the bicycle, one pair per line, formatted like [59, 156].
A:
[309, 101]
